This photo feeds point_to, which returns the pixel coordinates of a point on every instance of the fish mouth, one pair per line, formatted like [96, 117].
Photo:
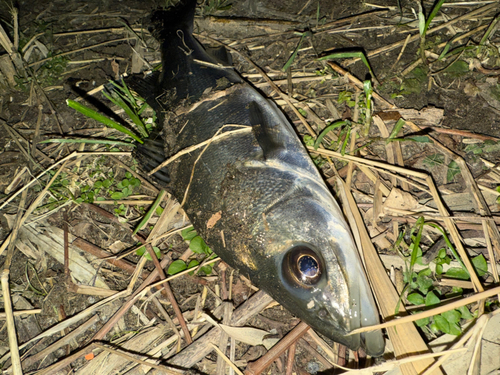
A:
[337, 323]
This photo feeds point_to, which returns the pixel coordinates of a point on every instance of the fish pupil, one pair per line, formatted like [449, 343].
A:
[308, 266]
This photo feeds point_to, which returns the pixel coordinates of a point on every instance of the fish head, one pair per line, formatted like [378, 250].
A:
[320, 277]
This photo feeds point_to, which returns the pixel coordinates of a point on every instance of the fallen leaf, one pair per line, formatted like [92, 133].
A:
[214, 219]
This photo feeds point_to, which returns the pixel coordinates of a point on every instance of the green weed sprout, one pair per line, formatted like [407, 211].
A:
[356, 54]
[101, 118]
[423, 25]
[421, 285]
[296, 51]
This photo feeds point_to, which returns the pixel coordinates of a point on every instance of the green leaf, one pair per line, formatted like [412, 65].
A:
[188, 234]
[98, 184]
[422, 322]
[439, 269]
[415, 298]
[457, 273]
[198, 245]
[442, 253]
[207, 269]
[159, 210]
[442, 324]
[420, 139]
[424, 284]
[452, 316]
[128, 175]
[433, 160]
[453, 170]
[480, 265]
[425, 272]
[135, 182]
[455, 329]
[176, 266]
[192, 263]
[140, 251]
[431, 299]
[465, 313]
[117, 195]
[125, 182]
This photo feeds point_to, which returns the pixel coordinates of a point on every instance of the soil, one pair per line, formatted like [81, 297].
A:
[467, 94]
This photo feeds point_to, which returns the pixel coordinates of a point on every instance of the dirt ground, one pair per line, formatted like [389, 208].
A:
[83, 45]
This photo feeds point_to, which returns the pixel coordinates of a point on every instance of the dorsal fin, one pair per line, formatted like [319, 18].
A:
[266, 134]
[221, 55]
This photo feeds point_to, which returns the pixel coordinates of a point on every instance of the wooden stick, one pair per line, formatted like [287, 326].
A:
[11, 327]
[257, 367]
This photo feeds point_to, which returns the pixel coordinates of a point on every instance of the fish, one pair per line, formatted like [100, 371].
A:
[248, 185]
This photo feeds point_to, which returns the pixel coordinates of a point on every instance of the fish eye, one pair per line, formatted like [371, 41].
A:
[302, 266]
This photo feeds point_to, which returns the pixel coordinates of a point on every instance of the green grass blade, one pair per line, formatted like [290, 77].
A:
[450, 245]
[101, 118]
[487, 34]
[445, 51]
[433, 14]
[343, 55]
[118, 100]
[368, 89]
[150, 212]
[328, 129]
[296, 51]
[399, 125]
[420, 224]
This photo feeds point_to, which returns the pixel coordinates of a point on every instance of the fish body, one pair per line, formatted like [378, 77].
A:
[251, 190]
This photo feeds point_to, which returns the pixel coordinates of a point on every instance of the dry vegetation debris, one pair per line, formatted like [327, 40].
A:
[413, 160]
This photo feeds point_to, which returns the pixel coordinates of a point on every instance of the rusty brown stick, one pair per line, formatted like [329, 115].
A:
[290, 359]
[53, 369]
[461, 133]
[105, 255]
[170, 295]
[66, 247]
[255, 368]
[107, 215]
[128, 304]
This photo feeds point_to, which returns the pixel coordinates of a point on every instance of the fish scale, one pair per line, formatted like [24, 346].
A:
[277, 222]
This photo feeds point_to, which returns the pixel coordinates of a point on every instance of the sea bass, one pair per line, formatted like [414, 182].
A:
[249, 187]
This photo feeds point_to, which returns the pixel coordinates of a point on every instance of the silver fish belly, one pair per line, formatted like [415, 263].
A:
[277, 221]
